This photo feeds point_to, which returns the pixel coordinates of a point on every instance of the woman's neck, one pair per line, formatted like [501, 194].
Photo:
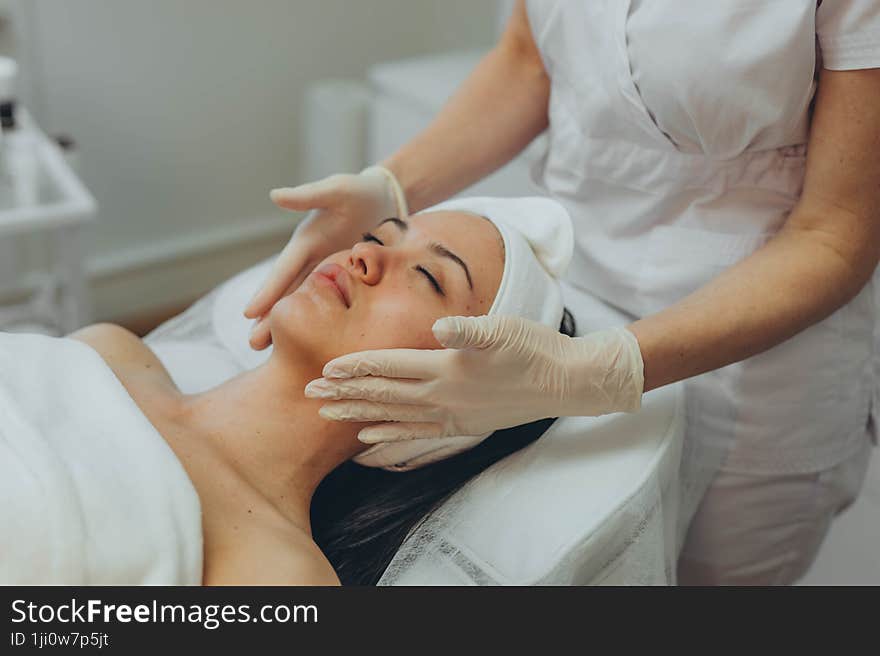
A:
[262, 424]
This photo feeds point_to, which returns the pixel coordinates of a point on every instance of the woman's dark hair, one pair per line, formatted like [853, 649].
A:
[361, 515]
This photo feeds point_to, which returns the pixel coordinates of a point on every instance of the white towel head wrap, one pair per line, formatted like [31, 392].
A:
[538, 244]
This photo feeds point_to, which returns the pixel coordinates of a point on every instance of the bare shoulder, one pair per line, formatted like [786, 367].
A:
[121, 349]
[269, 556]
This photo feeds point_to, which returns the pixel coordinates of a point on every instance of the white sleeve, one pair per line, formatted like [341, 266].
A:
[849, 33]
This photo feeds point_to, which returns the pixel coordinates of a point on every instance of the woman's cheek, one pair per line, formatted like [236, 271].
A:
[402, 323]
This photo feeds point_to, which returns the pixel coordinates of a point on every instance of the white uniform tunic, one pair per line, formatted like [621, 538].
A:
[677, 141]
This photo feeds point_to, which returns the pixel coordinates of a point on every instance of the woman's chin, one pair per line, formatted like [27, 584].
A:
[304, 322]
[305, 307]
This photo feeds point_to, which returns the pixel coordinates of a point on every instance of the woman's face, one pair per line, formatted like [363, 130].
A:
[390, 287]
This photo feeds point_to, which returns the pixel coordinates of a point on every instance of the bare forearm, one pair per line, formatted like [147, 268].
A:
[494, 115]
[794, 281]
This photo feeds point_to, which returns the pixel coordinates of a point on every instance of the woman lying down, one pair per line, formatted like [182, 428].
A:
[110, 475]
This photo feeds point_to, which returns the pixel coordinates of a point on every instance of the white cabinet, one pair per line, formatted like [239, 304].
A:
[408, 94]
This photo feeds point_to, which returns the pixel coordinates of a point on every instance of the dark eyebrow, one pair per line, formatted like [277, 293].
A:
[442, 251]
[439, 249]
[400, 224]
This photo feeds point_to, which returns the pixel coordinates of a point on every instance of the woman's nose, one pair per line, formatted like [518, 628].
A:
[365, 261]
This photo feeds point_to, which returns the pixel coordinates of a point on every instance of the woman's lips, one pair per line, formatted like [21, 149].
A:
[338, 278]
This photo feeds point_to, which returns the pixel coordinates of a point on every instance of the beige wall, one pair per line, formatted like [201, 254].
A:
[187, 111]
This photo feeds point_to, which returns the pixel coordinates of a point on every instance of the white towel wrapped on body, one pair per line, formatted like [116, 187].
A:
[90, 492]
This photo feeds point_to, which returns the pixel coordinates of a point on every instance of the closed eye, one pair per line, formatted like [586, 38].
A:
[431, 279]
[369, 236]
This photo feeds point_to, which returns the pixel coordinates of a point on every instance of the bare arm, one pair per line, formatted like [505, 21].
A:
[824, 254]
[494, 115]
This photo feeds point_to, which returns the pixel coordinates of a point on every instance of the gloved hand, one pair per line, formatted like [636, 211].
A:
[344, 207]
[495, 372]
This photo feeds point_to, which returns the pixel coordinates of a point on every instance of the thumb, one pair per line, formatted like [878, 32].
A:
[304, 197]
[467, 332]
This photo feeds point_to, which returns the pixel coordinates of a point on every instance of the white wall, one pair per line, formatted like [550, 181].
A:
[186, 113]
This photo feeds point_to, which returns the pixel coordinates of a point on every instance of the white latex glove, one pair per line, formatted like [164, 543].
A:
[495, 372]
[344, 207]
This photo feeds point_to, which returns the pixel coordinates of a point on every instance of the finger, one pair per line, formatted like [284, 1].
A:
[435, 455]
[468, 332]
[399, 432]
[287, 268]
[261, 335]
[391, 363]
[306, 196]
[369, 411]
[367, 388]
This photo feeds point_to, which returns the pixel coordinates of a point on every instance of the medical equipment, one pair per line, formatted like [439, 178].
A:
[40, 193]
[595, 500]
[8, 75]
